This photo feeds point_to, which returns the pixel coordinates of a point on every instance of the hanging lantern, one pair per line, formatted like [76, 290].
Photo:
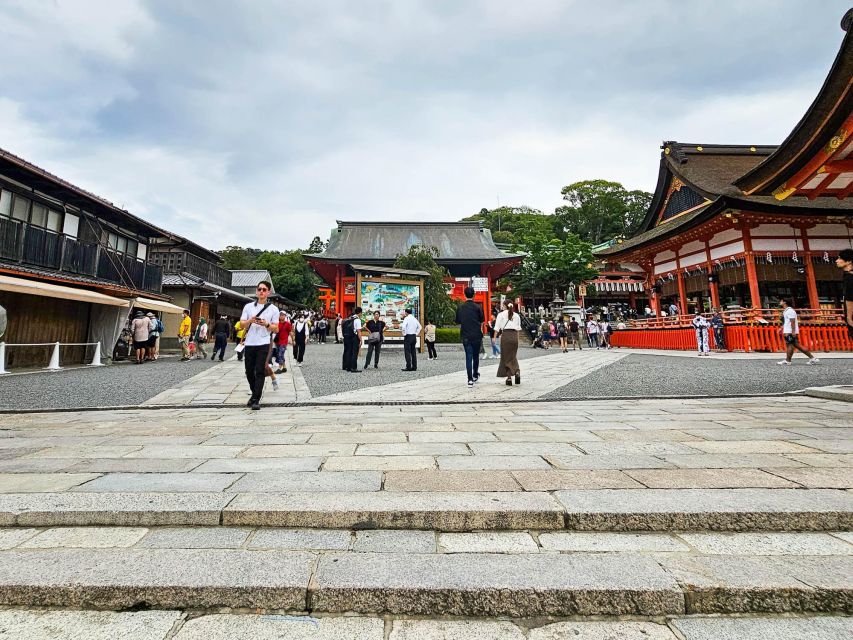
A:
[794, 257]
[769, 258]
[826, 256]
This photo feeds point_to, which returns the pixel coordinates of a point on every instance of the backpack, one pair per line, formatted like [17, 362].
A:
[348, 326]
[322, 324]
[159, 328]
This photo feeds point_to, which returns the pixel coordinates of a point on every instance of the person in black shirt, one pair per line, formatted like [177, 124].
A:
[470, 317]
[375, 338]
[221, 331]
[844, 261]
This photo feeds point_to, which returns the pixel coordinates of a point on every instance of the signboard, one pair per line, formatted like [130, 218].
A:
[582, 291]
[480, 284]
[390, 298]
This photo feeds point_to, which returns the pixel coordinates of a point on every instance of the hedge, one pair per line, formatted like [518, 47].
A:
[447, 335]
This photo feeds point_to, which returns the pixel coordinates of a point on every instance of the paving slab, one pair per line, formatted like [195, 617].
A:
[85, 538]
[825, 478]
[711, 509]
[158, 578]
[397, 510]
[280, 627]
[122, 465]
[361, 437]
[87, 625]
[246, 439]
[488, 542]
[10, 538]
[38, 465]
[450, 481]
[301, 539]
[200, 451]
[454, 630]
[298, 451]
[160, 482]
[117, 509]
[454, 436]
[732, 461]
[635, 448]
[42, 482]
[716, 628]
[554, 479]
[751, 446]
[316, 481]
[414, 449]
[548, 436]
[194, 538]
[395, 541]
[823, 459]
[491, 463]
[493, 585]
[561, 449]
[610, 462]
[761, 544]
[708, 478]
[611, 542]
[378, 463]
[259, 465]
[601, 630]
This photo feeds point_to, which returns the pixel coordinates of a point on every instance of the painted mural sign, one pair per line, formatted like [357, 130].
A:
[390, 299]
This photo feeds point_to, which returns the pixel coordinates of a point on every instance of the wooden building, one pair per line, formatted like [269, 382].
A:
[466, 249]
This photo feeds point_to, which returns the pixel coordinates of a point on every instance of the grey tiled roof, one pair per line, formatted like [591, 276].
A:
[186, 279]
[248, 277]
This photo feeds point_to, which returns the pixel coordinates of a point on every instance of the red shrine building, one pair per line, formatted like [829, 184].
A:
[740, 226]
[466, 249]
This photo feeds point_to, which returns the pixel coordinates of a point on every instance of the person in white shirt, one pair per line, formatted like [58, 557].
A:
[259, 320]
[791, 334]
[352, 341]
[411, 329]
[508, 325]
[592, 333]
[701, 325]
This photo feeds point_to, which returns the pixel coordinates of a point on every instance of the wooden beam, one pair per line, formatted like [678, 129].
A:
[839, 166]
[812, 194]
[846, 191]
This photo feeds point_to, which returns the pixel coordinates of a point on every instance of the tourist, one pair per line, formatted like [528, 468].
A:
[429, 338]
[156, 330]
[592, 333]
[375, 339]
[673, 309]
[322, 329]
[647, 311]
[844, 261]
[184, 332]
[563, 334]
[604, 331]
[259, 320]
[339, 335]
[221, 331]
[575, 333]
[200, 339]
[719, 327]
[239, 333]
[281, 340]
[300, 334]
[496, 350]
[141, 330]
[411, 328]
[470, 317]
[791, 334]
[352, 338]
[701, 325]
[509, 324]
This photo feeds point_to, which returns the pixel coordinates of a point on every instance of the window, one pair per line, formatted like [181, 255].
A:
[112, 241]
[71, 225]
[54, 220]
[38, 215]
[131, 248]
[141, 251]
[121, 246]
[5, 203]
[20, 208]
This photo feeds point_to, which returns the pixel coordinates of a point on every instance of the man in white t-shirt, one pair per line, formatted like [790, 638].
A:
[411, 328]
[259, 320]
[592, 333]
[791, 334]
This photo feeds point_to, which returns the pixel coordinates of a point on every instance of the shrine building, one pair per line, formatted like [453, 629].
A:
[465, 249]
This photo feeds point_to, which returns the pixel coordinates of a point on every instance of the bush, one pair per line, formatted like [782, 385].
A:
[447, 335]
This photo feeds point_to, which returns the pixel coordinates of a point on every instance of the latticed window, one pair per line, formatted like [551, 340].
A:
[682, 199]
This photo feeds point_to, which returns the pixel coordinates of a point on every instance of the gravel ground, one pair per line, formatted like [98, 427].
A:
[119, 384]
[322, 367]
[647, 375]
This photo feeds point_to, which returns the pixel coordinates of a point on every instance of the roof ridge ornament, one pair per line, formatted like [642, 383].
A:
[847, 20]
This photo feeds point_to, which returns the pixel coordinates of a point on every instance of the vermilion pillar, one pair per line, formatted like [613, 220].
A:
[682, 293]
[811, 282]
[751, 274]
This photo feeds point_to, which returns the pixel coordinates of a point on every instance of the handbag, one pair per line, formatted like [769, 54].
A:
[373, 338]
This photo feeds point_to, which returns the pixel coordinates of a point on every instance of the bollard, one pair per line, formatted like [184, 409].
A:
[3, 358]
[54, 359]
[96, 357]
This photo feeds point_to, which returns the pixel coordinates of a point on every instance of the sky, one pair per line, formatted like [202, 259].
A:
[260, 123]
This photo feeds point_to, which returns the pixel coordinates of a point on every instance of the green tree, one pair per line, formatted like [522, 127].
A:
[599, 210]
[291, 275]
[316, 246]
[438, 306]
[237, 258]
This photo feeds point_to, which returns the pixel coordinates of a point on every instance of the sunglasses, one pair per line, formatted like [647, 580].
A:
[262, 289]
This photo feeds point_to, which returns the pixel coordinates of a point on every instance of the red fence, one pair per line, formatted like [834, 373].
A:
[739, 337]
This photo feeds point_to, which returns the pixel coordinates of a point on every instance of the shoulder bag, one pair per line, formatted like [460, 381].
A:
[239, 348]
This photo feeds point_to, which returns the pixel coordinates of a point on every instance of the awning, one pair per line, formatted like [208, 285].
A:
[39, 288]
[157, 305]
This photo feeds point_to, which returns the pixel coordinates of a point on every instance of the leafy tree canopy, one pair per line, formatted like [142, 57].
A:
[438, 306]
[599, 210]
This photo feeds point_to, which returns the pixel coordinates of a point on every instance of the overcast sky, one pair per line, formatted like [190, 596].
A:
[260, 123]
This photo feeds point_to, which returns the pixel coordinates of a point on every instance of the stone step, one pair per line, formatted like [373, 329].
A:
[590, 510]
[425, 584]
[177, 625]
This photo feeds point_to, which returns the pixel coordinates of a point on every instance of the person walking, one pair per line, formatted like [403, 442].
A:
[339, 334]
[281, 340]
[201, 339]
[429, 338]
[411, 328]
[493, 341]
[563, 334]
[604, 332]
[259, 320]
[352, 337]
[718, 325]
[575, 333]
[375, 339]
[301, 331]
[184, 332]
[470, 317]
[592, 333]
[153, 336]
[791, 335]
[322, 329]
[141, 330]
[509, 324]
[221, 331]
[844, 261]
[701, 325]
[239, 333]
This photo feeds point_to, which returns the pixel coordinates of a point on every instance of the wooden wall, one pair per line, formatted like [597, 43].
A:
[41, 319]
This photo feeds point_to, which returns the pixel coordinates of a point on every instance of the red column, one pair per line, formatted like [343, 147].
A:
[751, 275]
[811, 282]
[682, 292]
[339, 291]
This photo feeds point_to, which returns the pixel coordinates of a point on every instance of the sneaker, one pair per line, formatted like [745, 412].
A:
[476, 377]
[814, 361]
[250, 402]
[256, 406]
[471, 384]
[275, 385]
[784, 362]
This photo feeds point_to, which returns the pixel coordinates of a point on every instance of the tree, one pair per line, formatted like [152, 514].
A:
[599, 210]
[503, 222]
[316, 246]
[237, 258]
[438, 306]
[291, 275]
